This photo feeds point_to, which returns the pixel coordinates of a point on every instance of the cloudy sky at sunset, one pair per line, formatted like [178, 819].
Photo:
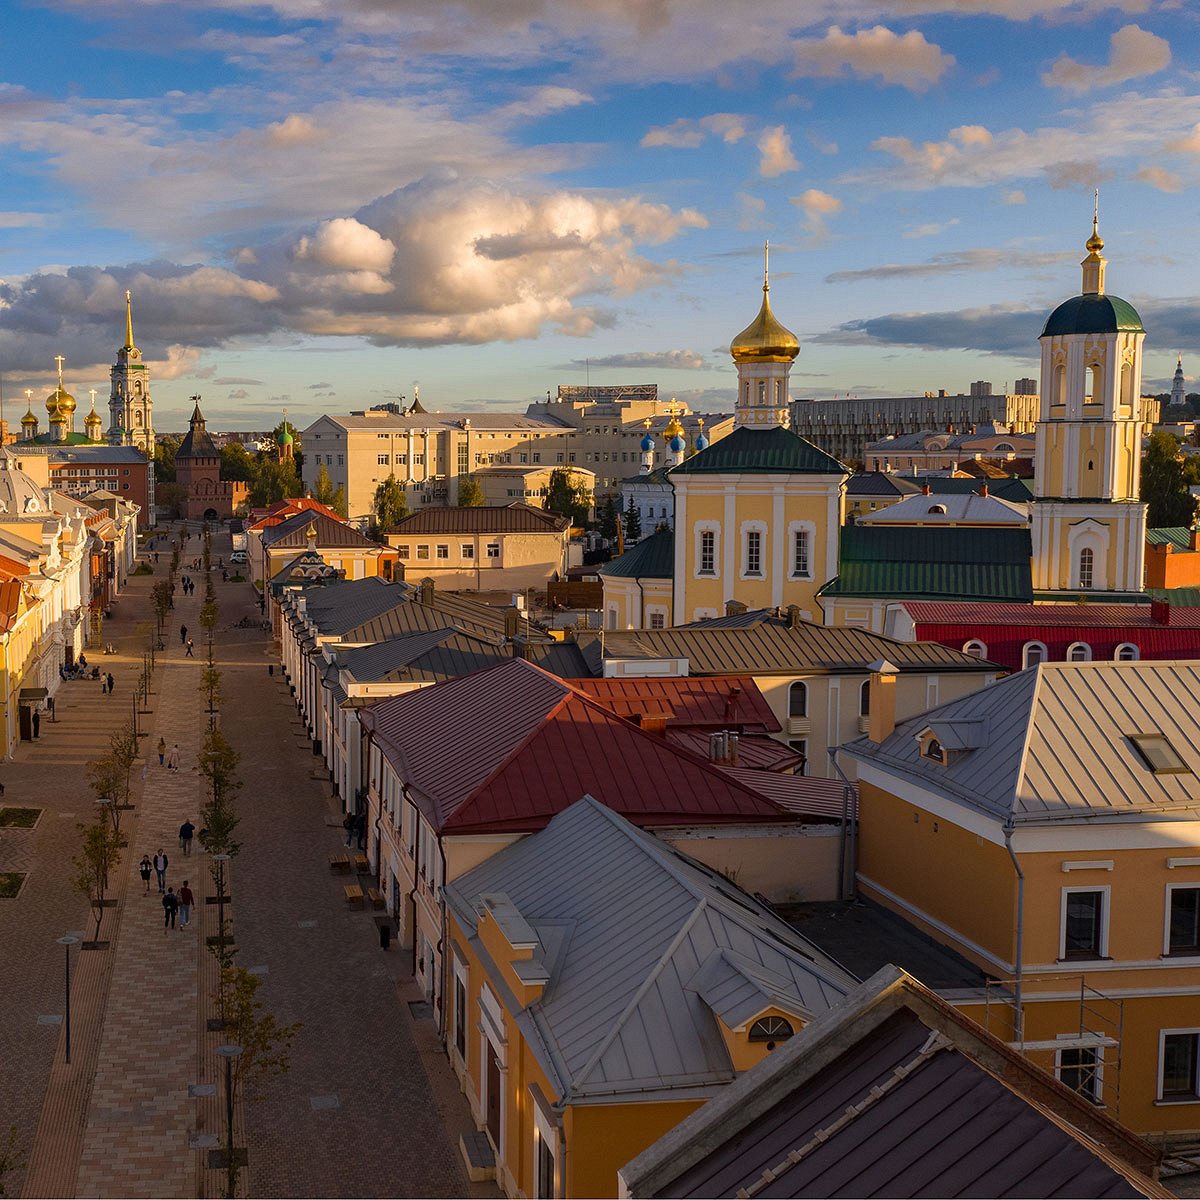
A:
[321, 204]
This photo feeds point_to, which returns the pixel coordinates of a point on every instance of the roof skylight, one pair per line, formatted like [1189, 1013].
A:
[1158, 754]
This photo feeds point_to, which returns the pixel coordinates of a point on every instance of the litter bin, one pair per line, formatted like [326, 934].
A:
[385, 935]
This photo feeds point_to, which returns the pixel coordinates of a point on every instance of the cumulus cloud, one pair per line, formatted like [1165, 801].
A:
[1016, 196]
[238, 394]
[904, 59]
[1133, 53]
[686, 133]
[1161, 178]
[661, 360]
[956, 262]
[1187, 144]
[446, 260]
[816, 206]
[775, 150]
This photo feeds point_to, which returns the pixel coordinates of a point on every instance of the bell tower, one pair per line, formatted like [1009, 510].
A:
[1088, 523]
[764, 352]
[129, 404]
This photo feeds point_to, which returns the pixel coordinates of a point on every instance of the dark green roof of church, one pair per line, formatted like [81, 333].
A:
[775, 451]
[71, 439]
[1093, 313]
[930, 563]
[651, 558]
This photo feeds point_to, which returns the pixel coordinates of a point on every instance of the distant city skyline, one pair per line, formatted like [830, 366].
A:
[319, 210]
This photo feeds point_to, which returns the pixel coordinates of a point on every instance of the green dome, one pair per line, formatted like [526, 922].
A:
[1093, 313]
[285, 438]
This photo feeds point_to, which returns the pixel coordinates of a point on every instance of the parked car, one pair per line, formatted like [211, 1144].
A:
[239, 556]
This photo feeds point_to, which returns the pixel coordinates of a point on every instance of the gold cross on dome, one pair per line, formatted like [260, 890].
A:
[58, 358]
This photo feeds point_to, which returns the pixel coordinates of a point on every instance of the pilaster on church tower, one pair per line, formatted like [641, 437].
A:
[764, 352]
[129, 404]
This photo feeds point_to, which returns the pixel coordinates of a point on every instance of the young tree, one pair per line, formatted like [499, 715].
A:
[97, 856]
[210, 613]
[1165, 480]
[389, 507]
[633, 524]
[161, 595]
[609, 520]
[218, 763]
[123, 750]
[470, 494]
[569, 495]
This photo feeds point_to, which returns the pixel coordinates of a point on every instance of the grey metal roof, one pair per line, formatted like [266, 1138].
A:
[894, 1094]
[1052, 743]
[636, 922]
[329, 532]
[412, 616]
[482, 519]
[879, 483]
[772, 647]
[343, 606]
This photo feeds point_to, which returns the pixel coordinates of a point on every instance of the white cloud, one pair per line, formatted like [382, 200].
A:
[929, 229]
[751, 211]
[686, 133]
[775, 150]
[729, 127]
[1188, 143]
[651, 360]
[1014, 197]
[292, 130]
[1133, 54]
[345, 242]
[1160, 178]
[22, 220]
[904, 59]
[816, 206]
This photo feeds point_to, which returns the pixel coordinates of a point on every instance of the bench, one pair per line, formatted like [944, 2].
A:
[339, 862]
[375, 897]
[354, 895]
[360, 864]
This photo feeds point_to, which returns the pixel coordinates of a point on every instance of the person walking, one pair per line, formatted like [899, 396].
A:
[104, 685]
[182, 634]
[348, 826]
[160, 869]
[170, 903]
[111, 683]
[173, 761]
[145, 867]
[360, 828]
[37, 722]
[186, 830]
[189, 653]
[186, 900]
[162, 750]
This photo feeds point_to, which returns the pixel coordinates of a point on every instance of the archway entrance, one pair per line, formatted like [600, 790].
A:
[210, 514]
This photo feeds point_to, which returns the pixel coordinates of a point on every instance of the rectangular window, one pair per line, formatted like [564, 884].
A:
[537, 458]
[340, 462]
[658, 620]
[422, 552]
[383, 460]
[418, 460]
[800, 539]
[800, 747]
[443, 552]
[493, 549]
[545, 1168]
[1079, 1069]
[460, 1016]
[708, 552]
[559, 457]
[753, 552]
[1083, 924]
[1183, 931]
[468, 550]
[1179, 1065]
[463, 458]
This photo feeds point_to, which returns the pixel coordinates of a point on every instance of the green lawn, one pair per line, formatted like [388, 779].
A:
[10, 883]
[19, 818]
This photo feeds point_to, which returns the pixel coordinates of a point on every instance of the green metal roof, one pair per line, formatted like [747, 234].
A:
[1180, 597]
[1093, 313]
[1178, 535]
[651, 558]
[958, 563]
[775, 451]
[1011, 488]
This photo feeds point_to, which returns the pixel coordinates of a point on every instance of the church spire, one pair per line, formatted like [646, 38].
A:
[128, 322]
[1093, 265]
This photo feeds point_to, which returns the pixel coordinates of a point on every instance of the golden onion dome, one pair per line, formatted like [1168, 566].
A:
[29, 418]
[61, 400]
[764, 337]
[673, 428]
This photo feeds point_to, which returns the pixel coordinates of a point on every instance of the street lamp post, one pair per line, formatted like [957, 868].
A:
[221, 860]
[229, 1053]
[66, 942]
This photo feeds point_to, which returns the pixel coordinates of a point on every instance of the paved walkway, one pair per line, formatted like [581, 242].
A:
[370, 1106]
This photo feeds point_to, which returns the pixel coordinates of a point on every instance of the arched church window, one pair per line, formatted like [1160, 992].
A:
[1127, 384]
[1079, 652]
[1091, 465]
[1087, 564]
[1033, 654]
[798, 699]
[1058, 387]
[137, 418]
[762, 391]
[1095, 384]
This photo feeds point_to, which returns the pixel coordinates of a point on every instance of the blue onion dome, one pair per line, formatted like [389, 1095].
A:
[647, 443]
[678, 445]
[701, 441]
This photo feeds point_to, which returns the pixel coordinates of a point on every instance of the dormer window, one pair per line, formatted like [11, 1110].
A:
[1158, 754]
[937, 509]
[771, 1029]
[933, 750]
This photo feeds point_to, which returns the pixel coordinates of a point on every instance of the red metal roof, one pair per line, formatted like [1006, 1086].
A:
[763, 753]
[505, 748]
[803, 795]
[284, 510]
[1079, 616]
[704, 700]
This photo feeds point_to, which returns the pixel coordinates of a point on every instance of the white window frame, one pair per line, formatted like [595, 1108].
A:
[1105, 915]
[795, 527]
[460, 975]
[748, 528]
[975, 644]
[656, 610]
[1137, 654]
[467, 550]
[1087, 652]
[701, 528]
[544, 1132]
[1185, 886]
[1163, 1034]
[1025, 653]
[1098, 1075]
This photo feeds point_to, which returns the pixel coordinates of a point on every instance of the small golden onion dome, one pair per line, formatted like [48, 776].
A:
[29, 418]
[764, 337]
[62, 400]
[673, 428]
[1095, 243]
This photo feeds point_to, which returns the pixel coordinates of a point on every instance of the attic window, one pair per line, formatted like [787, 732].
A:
[937, 508]
[932, 749]
[770, 1029]
[1158, 754]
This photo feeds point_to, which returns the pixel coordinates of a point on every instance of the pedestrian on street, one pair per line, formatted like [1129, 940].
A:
[348, 826]
[360, 828]
[162, 750]
[173, 761]
[182, 634]
[144, 869]
[111, 682]
[189, 653]
[37, 722]
[186, 831]
[186, 900]
[156, 558]
[160, 869]
[170, 903]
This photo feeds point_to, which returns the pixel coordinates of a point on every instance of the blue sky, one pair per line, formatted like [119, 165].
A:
[320, 205]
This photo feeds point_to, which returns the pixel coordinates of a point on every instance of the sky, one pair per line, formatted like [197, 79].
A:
[322, 205]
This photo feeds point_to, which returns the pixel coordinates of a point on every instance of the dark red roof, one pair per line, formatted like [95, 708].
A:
[284, 510]
[702, 700]
[1126, 616]
[506, 748]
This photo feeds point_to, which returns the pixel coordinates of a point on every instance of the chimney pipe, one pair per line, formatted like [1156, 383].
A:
[881, 700]
[983, 491]
[793, 616]
[1193, 538]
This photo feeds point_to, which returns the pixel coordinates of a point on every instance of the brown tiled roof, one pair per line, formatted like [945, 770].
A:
[508, 518]
[716, 701]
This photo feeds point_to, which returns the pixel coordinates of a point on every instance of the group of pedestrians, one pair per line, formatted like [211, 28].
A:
[107, 683]
[188, 584]
[172, 762]
[176, 905]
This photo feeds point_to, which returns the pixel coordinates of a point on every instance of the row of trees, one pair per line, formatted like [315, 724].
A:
[1167, 479]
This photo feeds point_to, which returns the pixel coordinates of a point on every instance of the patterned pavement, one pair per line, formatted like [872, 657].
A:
[369, 1107]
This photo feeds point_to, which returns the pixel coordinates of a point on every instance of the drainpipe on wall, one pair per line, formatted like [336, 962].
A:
[847, 828]
[441, 948]
[412, 894]
[1019, 1022]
